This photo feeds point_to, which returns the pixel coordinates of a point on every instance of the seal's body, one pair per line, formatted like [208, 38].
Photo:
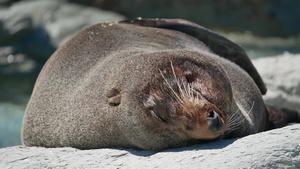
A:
[134, 85]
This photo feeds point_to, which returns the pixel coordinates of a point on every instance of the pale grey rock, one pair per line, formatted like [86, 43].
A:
[59, 19]
[281, 74]
[35, 29]
[272, 149]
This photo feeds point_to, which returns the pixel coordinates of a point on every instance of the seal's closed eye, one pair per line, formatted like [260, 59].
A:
[156, 116]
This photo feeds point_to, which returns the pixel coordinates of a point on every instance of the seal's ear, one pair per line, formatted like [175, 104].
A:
[217, 43]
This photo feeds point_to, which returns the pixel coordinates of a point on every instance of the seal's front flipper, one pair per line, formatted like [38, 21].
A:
[279, 117]
[217, 43]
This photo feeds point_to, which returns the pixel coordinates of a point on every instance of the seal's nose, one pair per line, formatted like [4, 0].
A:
[214, 123]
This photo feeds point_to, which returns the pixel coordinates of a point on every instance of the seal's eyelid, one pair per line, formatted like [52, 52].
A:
[208, 99]
[155, 115]
[203, 96]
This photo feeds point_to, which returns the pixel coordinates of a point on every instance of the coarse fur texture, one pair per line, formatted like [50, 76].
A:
[125, 85]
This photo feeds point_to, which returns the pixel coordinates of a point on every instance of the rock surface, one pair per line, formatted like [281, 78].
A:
[281, 74]
[32, 30]
[277, 148]
[272, 149]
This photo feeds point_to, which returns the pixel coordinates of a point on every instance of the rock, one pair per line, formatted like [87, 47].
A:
[3, 32]
[35, 29]
[281, 74]
[7, 2]
[18, 28]
[264, 18]
[59, 19]
[272, 149]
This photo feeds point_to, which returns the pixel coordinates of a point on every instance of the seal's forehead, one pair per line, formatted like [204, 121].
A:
[217, 43]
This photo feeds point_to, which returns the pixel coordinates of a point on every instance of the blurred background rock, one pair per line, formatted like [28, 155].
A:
[264, 17]
[30, 31]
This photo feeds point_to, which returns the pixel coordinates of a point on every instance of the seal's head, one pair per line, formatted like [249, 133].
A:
[192, 99]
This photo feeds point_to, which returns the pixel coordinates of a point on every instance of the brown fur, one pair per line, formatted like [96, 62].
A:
[99, 88]
[279, 117]
[183, 100]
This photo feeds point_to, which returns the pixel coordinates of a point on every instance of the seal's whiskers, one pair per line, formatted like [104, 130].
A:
[186, 95]
[236, 119]
[178, 83]
[179, 100]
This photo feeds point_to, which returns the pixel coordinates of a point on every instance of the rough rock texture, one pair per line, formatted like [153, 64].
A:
[272, 149]
[281, 74]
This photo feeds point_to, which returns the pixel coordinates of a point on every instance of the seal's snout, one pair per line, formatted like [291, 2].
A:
[214, 123]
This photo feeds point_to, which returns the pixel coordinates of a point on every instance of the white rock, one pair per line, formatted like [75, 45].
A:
[272, 149]
[281, 74]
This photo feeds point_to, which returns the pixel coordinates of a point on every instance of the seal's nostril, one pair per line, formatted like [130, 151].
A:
[211, 115]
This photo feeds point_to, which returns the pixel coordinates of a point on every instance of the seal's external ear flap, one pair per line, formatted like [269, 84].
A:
[217, 43]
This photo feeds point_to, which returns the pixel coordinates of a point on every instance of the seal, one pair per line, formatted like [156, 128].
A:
[150, 84]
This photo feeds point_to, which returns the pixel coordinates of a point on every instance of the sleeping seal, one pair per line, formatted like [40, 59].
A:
[151, 84]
